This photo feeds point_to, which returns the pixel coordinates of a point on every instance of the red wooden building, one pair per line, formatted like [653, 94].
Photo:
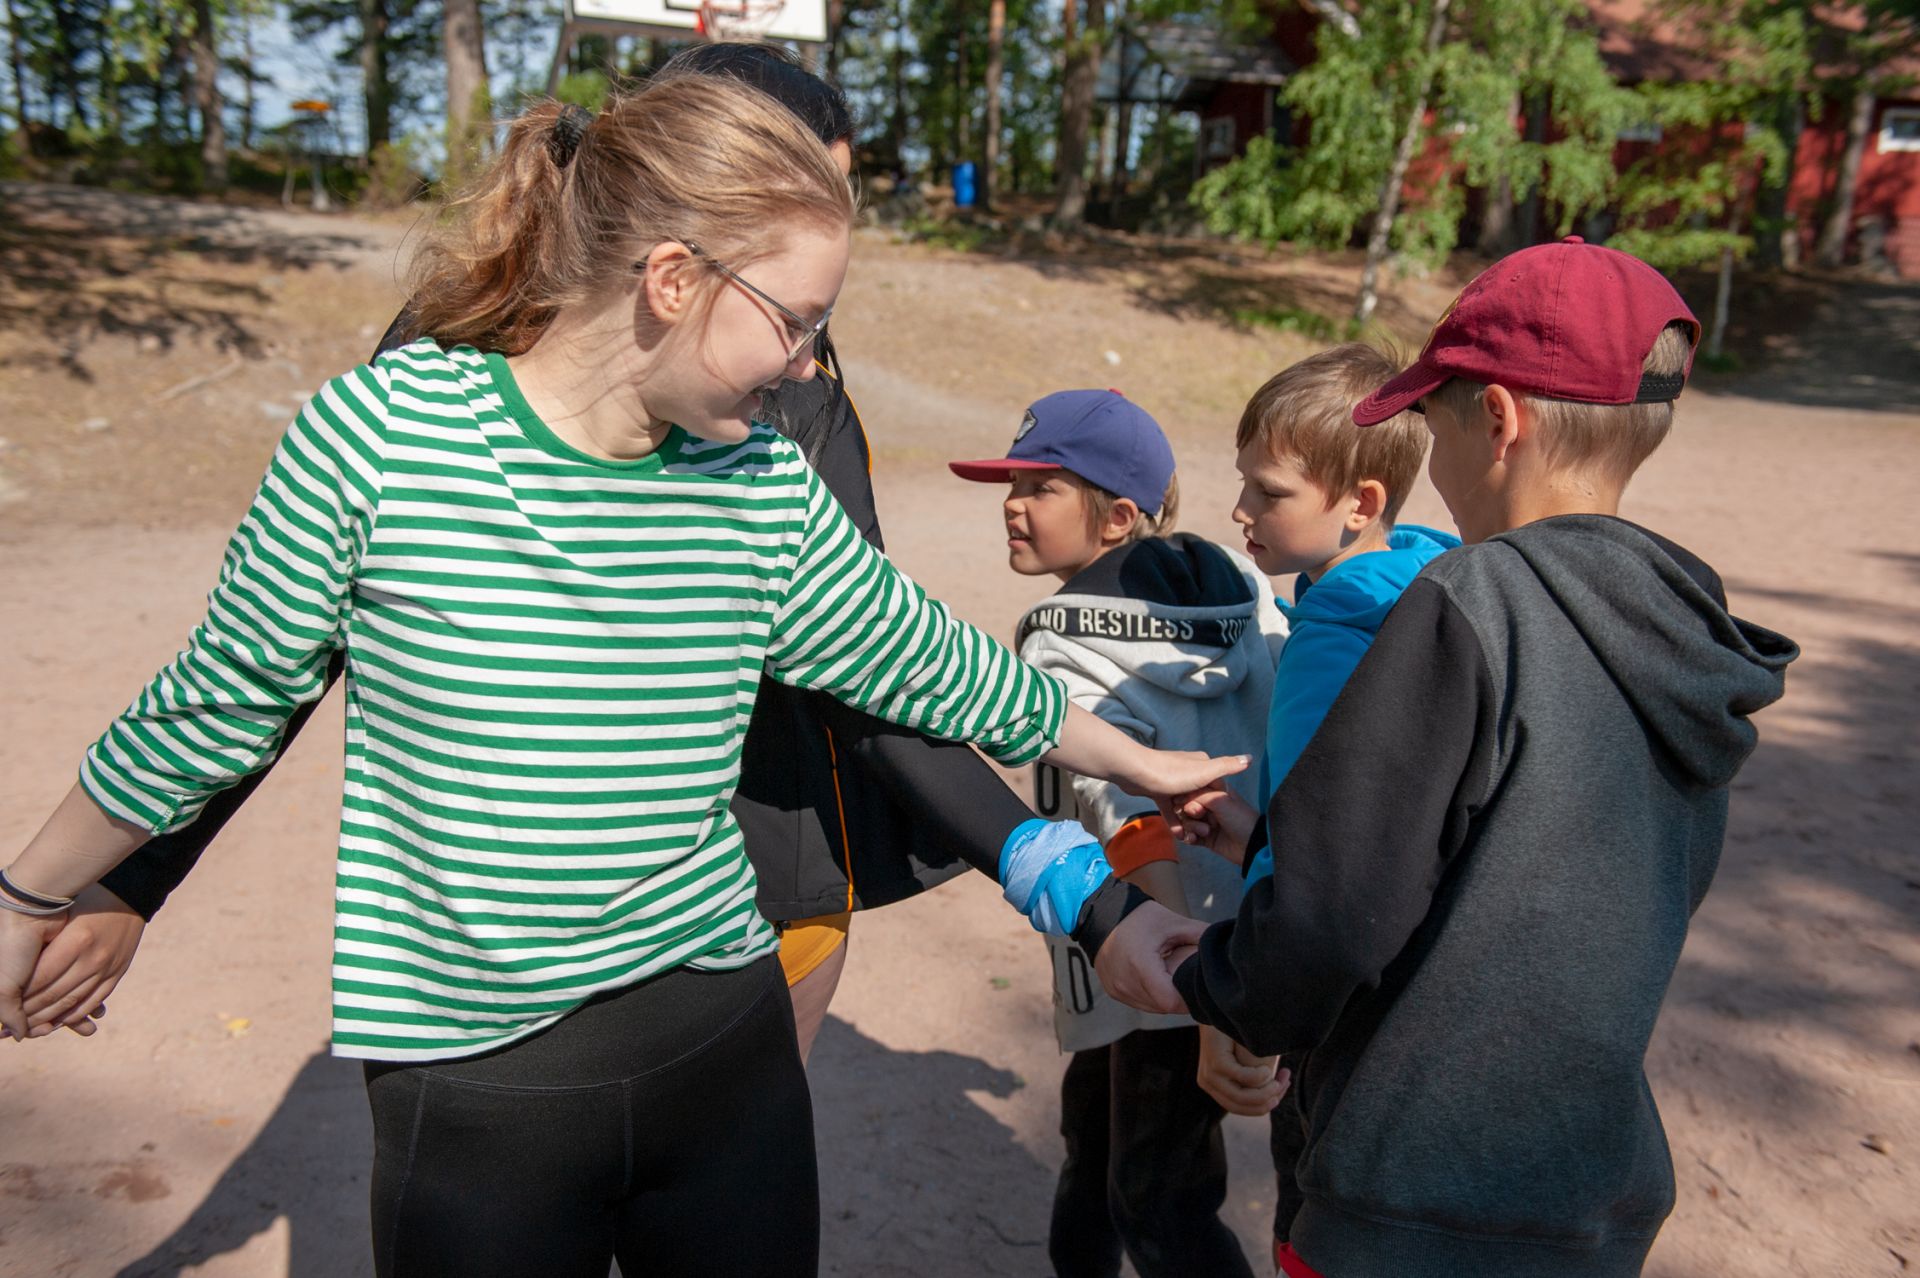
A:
[1234, 89]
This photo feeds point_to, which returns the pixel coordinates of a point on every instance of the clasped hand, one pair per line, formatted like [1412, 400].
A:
[1212, 817]
[58, 971]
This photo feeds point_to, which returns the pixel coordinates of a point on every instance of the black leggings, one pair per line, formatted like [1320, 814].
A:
[667, 1125]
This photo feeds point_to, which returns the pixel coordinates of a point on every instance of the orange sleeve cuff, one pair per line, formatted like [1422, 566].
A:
[1141, 841]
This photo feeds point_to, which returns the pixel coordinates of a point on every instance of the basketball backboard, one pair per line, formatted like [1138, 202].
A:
[796, 19]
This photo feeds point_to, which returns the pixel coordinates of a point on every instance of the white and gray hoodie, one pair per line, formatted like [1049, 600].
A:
[1174, 641]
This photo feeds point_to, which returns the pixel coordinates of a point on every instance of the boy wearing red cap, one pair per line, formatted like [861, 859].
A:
[1486, 858]
[1173, 640]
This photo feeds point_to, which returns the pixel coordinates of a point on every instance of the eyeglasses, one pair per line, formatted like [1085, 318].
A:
[800, 331]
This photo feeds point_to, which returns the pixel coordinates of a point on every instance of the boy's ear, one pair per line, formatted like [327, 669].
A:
[1505, 419]
[1369, 503]
[1120, 521]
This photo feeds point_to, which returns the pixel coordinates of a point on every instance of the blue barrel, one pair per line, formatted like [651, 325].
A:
[966, 190]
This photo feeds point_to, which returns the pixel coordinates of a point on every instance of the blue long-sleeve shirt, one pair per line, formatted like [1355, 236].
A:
[1333, 622]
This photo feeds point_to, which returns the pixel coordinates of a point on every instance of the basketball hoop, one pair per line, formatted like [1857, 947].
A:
[738, 19]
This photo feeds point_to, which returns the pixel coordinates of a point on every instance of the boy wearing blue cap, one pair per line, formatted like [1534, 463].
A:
[1173, 640]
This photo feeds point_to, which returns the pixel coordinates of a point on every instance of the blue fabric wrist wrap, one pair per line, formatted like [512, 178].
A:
[1048, 869]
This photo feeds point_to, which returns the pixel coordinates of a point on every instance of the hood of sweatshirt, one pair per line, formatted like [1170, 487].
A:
[1362, 590]
[1178, 612]
[1656, 617]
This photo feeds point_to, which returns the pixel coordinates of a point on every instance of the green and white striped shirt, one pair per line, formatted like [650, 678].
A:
[551, 663]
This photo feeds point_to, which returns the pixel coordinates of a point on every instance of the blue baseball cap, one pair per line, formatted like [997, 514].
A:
[1099, 435]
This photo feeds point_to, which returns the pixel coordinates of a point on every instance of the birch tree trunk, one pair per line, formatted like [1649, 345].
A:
[1833, 240]
[1381, 237]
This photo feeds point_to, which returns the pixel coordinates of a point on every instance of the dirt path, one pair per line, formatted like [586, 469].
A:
[206, 1132]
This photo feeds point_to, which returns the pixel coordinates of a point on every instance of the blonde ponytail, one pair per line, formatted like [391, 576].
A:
[693, 159]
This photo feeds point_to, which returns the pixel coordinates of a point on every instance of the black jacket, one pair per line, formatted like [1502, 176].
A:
[839, 810]
[1485, 864]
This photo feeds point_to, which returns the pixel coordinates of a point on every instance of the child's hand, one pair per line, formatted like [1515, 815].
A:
[1216, 819]
[1241, 1082]
[81, 965]
[1137, 961]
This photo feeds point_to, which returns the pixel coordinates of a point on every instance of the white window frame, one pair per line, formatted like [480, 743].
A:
[1889, 143]
[1648, 131]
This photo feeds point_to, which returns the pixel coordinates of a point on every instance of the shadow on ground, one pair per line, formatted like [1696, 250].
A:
[77, 264]
[1787, 1037]
[1818, 338]
[911, 1166]
[309, 1164]
[912, 1169]
[1241, 287]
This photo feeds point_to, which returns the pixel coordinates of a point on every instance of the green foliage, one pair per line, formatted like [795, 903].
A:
[1292, 319]
[1253, 196]
[587, 89]
[12, 163]
[1497, 57]
[947, 233]
[1520, 53]
[393, 175]
[1689, 201]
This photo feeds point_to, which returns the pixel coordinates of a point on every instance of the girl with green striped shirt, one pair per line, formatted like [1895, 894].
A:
[558, 552]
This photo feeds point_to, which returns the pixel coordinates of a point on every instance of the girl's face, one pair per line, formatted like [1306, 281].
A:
[1049, 524]
[742, 346]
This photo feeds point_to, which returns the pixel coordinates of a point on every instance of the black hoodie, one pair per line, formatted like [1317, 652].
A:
[1485, 864]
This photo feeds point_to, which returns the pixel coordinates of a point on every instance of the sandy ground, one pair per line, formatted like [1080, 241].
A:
[206, 1132]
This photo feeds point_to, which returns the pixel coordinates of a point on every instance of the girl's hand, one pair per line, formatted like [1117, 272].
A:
[81, 966]
[1165, 773]
[22, 938]
[1241, 1082]
[1216, 819]
[1093, 748]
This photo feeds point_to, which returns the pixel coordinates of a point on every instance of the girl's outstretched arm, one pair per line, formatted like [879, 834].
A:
[78, 844]
[1093, 747]
[853, 626]
[218, 711]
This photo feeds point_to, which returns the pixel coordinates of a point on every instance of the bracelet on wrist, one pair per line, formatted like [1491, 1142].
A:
[19, 900]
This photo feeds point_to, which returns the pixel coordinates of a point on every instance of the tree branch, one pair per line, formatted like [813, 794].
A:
[1333, 15]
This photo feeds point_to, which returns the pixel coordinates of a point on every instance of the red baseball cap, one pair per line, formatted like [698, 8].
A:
[1570, 321]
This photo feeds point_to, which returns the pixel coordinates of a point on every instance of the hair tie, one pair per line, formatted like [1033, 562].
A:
[568, 129]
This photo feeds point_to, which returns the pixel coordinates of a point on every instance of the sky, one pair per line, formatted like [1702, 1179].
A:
[298, 69]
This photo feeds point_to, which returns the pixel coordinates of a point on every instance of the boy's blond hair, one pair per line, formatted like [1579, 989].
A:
[1305, 413]
[1608, 440]
[1100, 504]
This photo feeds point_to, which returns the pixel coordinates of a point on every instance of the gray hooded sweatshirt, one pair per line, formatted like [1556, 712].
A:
[1174, 641]
[1484, 866]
